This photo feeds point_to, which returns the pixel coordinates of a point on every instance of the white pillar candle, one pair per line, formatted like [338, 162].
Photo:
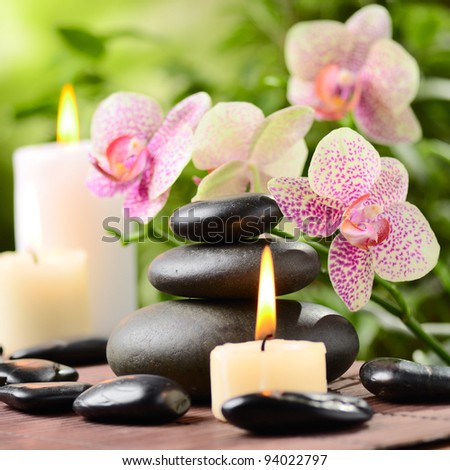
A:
[42, 297]
[50, 179]
[284, 365]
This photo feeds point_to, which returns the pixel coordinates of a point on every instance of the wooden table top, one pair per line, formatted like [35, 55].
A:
[393, 426]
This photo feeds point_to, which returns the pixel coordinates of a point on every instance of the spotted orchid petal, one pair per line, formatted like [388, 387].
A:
[344, 166]
[225, 133]
[383, 126]
[390, 75]
[145, 208]
[137, 200]
[171, 147]
[302, 92]
[230, 178]
[311, 213]
[368, 24]
[411, 250]
[102, 186]
[312, 45]
[278, 148]
[391, 187]
[124, 114]
[177, 152]
[351, 273]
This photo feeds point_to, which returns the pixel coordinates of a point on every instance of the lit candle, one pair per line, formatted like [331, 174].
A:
[52, 177]
[266, 364]
[43, 296]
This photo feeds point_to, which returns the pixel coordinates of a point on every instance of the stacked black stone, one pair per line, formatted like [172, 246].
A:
[217, 272]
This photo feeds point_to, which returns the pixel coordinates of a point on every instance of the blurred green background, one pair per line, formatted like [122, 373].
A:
[233, 49]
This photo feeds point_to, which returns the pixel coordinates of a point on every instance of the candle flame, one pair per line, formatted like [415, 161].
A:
[68, 126]
[266, 313]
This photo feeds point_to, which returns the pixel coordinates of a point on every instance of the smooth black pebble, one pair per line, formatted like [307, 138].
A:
[290, 413]
[36, 370]
[232, 270]
[72, 352]
[398, 380]
[42, 396]
[175, 338]
[226, 220]
[136, 398]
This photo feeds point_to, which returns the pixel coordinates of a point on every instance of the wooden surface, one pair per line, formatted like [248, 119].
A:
[392, 426]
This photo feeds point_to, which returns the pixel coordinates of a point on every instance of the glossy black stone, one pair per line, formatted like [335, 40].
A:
[36, 370]
[232, 270]
[290, 413]
[398, 380]
[134, 398]
[42, 396]
[175, 338]
[72, 352]
[226, 220]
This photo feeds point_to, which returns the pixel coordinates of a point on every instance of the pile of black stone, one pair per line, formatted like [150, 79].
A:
[217, 275]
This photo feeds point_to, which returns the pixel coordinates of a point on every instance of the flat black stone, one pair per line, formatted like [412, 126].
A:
[72, 352]
[232, 270]
[399, 380]
[36, 370]
[291, 413]
[42, 396]
[226, 220]
[175, 338]
[134, 398]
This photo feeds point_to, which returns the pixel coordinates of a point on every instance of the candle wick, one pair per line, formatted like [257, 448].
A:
[263, 345]
[33, 255]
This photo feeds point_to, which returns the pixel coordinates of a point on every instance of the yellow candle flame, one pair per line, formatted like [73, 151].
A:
[68, 126]
[266, 317]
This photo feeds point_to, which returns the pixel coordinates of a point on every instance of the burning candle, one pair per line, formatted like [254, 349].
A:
[52, 177]
[266, 364]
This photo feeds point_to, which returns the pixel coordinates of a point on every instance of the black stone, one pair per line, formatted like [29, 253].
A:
[134, 398]
[42, 396]
[175, 338]
[72, 352]
[232, 270]
[399, 380]
[36, 370]
[290, 413]
[226, 220]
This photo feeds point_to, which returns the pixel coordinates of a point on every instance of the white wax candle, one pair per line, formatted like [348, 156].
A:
[42, 297]
[51, 179]
[284, 365]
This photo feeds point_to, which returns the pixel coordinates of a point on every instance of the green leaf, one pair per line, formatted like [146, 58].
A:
[83, 41]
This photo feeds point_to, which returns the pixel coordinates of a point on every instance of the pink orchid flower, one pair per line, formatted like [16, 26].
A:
[338, 68]
[351, 188]
[137, 152]
[243, 150]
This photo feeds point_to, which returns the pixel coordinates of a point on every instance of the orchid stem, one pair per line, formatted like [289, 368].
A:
[162, 234]
[282, 234]
[406, 316]
[159, 235]
[318, 246]
[403, 311]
